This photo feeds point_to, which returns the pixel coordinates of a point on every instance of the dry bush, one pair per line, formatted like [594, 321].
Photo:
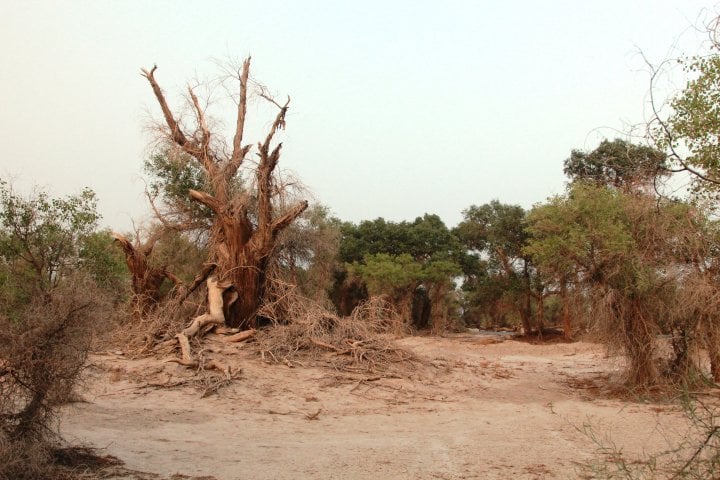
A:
[682, 309]
[627, 327]
[304, 331]
[695, 328]
[42, 353]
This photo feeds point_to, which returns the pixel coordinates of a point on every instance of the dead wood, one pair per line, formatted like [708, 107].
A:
[327, 345]
[146, 278]
[199, 279]
[307, 415]
[241, 336]
[214, 317]
[245, 225]
[218, 365]
[318, 337]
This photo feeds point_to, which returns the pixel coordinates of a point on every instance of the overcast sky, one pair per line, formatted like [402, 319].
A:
[398, 107]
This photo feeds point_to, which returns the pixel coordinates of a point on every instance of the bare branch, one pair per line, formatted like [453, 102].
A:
[290, 215]
[207, 158]
[239, 152]
[206, 199]
[685, 167]
[183, 226]
[171, 276]
[124, 243]
[278, 123]
[199, 279]
[176, 134]
[147, 248]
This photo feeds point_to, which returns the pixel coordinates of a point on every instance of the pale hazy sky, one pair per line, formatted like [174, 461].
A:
[398, 107]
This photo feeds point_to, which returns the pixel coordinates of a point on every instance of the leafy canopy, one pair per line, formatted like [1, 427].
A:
[694, 126]
[616, 163]
[43, 236]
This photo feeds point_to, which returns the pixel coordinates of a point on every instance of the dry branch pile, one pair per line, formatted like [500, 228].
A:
[362, 342]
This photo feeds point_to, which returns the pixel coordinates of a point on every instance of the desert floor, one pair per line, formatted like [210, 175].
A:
[469, 409]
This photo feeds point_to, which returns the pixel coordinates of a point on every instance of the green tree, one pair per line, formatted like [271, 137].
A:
[41, 238]
[396, 276]
[624, 251]
[426, 247]
[99, 257]
[308, 252]
[495, 234]
[617, 163]
[689, 133]
[51, 260]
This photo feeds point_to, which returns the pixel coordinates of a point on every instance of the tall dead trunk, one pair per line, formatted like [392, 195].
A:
[146, 279]
[245, 226]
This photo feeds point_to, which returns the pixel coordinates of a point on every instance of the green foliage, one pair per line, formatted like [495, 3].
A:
[694, 126]
[41, 237]
[399, 259]
[616, 163]
[309, 249]
[397, 275]
[499, 276]
[180, 254]
[51, 260]
[100, 258]
[173, 175]
[422, 239]
[630, 258]
[493, 227]
[373, 237]
[586, 230]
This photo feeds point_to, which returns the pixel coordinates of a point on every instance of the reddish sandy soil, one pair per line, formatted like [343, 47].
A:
[470, 410]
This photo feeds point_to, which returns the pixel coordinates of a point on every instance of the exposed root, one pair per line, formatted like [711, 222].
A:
[184, 363]
[307, 415]
[218, 365]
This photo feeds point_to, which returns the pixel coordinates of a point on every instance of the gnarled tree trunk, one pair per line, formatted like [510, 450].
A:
[246, 225]
[146, 279]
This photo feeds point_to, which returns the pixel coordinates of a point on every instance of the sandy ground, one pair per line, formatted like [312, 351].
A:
[471, 410]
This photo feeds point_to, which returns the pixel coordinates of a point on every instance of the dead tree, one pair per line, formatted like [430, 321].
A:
[245, 227]
[146, 278]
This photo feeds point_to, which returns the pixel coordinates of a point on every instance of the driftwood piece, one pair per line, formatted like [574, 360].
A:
[241, 336]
